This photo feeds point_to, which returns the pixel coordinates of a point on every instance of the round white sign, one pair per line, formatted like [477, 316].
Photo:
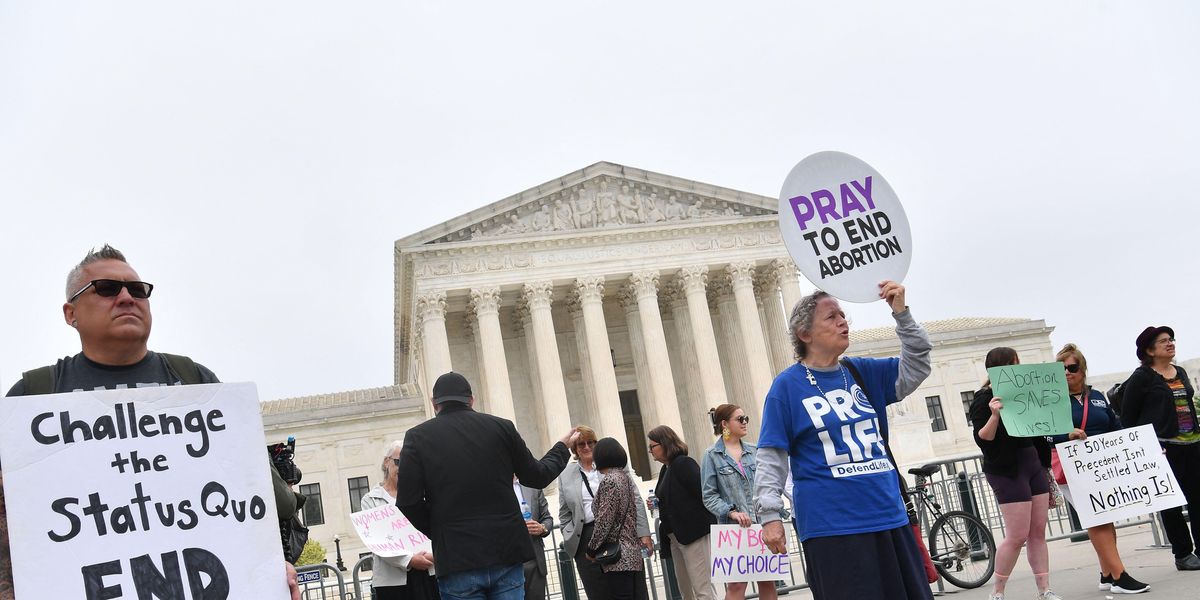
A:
[844, 226]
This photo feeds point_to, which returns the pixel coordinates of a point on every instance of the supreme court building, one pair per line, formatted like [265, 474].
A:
[617, 298]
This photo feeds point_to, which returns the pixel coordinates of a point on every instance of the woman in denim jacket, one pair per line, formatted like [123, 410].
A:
[727, 482]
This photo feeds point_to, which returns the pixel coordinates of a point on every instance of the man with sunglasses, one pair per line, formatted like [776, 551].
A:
[109, 307]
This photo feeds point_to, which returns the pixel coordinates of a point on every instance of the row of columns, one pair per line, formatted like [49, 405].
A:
[754, 360]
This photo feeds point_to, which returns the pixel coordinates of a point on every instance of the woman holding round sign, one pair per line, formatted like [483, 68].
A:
[1159, 393]
[1017, 469]
[1091, 413]
[827, 417]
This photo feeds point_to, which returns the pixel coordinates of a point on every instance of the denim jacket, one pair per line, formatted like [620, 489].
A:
[722, 484]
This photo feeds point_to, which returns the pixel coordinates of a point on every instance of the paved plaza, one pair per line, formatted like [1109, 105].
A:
[1074, 572]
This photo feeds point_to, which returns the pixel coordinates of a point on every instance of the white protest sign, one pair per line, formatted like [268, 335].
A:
[387, 532]
[739, 554]
[844, 226]
[1118, 475]
[140, 493]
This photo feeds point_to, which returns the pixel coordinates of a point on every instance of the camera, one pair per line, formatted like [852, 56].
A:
[283, 458]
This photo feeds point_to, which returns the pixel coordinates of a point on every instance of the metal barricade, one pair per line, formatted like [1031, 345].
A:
[313, 584]
[356, 580]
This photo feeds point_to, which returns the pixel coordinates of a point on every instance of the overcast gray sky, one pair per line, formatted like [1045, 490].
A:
[257, 160]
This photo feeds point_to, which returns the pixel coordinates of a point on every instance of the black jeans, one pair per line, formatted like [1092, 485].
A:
[1185, 463]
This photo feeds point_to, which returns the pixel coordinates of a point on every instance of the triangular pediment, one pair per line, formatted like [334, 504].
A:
[604, 196]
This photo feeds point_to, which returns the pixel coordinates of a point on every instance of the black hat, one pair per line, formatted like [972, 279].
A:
[1147, 337]
[451, 387]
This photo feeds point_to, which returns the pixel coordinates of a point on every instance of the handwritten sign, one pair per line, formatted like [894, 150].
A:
[1119, 475]
[844, 226]
[1035, 399]
[140, 493]
[739, 554]
[387, 532]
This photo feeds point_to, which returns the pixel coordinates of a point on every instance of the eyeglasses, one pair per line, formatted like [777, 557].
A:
[1166, 341]
[588, 443]
[108, 288]
[1073, 368]
[742, 419]
[652, 446]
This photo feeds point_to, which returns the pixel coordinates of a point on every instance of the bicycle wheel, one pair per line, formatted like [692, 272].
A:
[963, 549]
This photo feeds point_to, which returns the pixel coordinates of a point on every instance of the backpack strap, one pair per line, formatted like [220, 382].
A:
[184, 367]
[38, 381]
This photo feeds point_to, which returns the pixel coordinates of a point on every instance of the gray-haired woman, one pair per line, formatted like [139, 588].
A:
[828, 416]
[404, 577]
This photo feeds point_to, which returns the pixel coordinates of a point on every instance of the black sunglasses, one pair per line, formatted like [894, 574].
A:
[742, 419]
[111, 287]
[1072, 368]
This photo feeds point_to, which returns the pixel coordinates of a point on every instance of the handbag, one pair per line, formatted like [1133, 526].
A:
[1055, 463]
[609, 552]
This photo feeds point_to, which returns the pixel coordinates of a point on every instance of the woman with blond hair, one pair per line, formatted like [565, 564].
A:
[404, 577]
[1091, 413]
[578, 486]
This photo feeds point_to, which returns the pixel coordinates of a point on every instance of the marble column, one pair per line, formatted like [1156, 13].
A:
[693, 410]
[611, 421]
[776, 323]
[537, 407]
[556, 415]
[479, 378]
[497, 389]
[586, 413]
[741, 277]
[666, 404]
[729, 339]
[692, 281]
[435, 346]
[641, 366]
[789, 284]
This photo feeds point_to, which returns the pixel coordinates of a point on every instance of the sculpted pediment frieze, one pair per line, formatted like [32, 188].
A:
[604, 202]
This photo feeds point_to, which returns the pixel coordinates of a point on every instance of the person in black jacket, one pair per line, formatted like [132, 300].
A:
[684, 522]
[1017, 468]
[1159, 393]
[454, 483]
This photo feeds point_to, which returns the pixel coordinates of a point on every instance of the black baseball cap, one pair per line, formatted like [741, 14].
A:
[451, 387]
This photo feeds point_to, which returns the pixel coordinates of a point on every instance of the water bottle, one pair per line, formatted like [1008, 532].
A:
[653, 504]
[525, 512]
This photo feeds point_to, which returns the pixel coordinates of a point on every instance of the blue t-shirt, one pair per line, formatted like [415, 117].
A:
[843, 481]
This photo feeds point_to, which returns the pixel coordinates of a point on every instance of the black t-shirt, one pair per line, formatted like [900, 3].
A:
[79, 373]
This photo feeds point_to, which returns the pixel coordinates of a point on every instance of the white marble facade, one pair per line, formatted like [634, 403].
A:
[617, 298]
[608, 282]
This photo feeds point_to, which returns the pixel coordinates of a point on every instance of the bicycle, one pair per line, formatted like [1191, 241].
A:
[960, 544]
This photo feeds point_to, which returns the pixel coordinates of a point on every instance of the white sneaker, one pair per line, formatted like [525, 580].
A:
[1048, 595]
[996, 597]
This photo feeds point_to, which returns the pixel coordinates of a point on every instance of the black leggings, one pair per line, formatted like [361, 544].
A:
[622, 585]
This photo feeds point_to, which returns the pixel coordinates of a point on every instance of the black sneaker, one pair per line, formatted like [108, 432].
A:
[1125, 584]
[1105, 582]
[1188, 563]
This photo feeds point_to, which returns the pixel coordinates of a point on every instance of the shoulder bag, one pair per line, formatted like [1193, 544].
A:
[1055, 463]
